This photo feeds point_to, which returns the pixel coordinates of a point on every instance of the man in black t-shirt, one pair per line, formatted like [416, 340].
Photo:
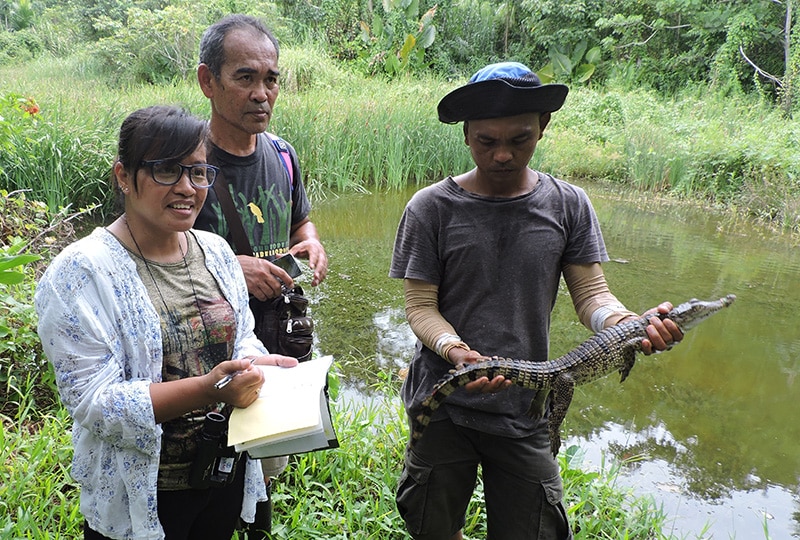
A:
[238, 73]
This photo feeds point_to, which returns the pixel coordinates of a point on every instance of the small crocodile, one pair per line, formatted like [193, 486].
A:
[612, 349]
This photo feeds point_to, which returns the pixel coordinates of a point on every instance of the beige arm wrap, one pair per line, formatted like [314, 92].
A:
[422, 312]
[596, 307]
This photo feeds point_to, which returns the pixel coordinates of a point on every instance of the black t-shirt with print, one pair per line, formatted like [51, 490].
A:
[263, 195]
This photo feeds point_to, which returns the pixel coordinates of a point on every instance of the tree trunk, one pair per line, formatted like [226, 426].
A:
[790, 64]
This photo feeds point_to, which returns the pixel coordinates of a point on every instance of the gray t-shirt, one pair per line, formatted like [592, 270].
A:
[267, 202]
[497, 263]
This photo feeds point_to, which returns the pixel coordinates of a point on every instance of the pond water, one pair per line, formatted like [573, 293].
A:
[711, 425]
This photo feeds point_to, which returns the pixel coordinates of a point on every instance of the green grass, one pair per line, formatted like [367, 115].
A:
[37, 498]
[602, 509]
[346, 493]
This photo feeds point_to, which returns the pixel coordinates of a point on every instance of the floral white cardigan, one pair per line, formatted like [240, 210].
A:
[103, 337]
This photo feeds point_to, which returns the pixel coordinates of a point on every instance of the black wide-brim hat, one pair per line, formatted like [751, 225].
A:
[498, 90]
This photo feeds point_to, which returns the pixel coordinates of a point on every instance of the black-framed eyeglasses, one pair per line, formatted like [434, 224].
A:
[168, 173]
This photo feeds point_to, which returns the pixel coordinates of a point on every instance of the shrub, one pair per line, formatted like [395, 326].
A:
[154, 46]
[60, 34]
[308, 67]
[27, 387]
[20, 46]
[161, 46]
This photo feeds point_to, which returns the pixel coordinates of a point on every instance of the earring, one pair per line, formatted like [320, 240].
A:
[123, 189]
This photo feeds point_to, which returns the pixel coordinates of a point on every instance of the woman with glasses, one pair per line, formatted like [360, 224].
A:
[140, 320]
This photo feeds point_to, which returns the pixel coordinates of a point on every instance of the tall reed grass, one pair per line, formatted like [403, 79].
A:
[364, 134]
[354, 133]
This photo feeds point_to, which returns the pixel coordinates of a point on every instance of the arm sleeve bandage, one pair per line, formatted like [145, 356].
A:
[422, 312]
[596, 307]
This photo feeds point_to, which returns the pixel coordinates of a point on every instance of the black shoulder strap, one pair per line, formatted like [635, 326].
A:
[240, 240]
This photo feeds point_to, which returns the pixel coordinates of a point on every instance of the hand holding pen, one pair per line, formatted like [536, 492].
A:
[223, 382]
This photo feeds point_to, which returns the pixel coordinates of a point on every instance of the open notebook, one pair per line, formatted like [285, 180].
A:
[291, 414]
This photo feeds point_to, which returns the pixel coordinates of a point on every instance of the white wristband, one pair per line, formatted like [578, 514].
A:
[602, 314]
[444, 340]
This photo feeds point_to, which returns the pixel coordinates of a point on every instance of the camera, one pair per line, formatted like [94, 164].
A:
[215, 462]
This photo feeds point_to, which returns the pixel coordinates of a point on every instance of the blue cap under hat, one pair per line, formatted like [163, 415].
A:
[502, 70]
[498, 90]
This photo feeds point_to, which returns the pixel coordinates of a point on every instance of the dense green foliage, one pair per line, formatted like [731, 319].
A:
[27, 228]
[38, 152]
[663, 44]
[683, 96]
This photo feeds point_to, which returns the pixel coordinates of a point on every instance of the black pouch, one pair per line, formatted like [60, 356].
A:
[215, 463]
[283, 325]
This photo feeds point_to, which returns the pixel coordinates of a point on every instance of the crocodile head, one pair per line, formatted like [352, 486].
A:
[691, 313]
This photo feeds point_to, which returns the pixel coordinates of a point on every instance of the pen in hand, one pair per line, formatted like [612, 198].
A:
[223, 382]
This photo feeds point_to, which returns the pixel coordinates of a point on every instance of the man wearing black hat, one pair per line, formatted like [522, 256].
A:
[481, 255]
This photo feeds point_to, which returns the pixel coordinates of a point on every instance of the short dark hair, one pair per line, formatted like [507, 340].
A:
[158, 132]
[212, 50]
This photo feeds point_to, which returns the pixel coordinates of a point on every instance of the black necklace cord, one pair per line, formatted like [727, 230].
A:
[170, 313]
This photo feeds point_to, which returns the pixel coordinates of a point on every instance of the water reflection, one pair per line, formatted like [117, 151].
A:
[714, 416]
[395, 340]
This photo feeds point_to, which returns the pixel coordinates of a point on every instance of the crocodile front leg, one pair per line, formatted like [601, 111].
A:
[628, 356]
[563, 388]
[536, 410]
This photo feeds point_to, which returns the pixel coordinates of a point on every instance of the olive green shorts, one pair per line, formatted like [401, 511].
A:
[522, 485]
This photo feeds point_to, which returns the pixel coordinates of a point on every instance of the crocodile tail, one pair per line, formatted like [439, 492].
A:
[446, 386]
[433, 401]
